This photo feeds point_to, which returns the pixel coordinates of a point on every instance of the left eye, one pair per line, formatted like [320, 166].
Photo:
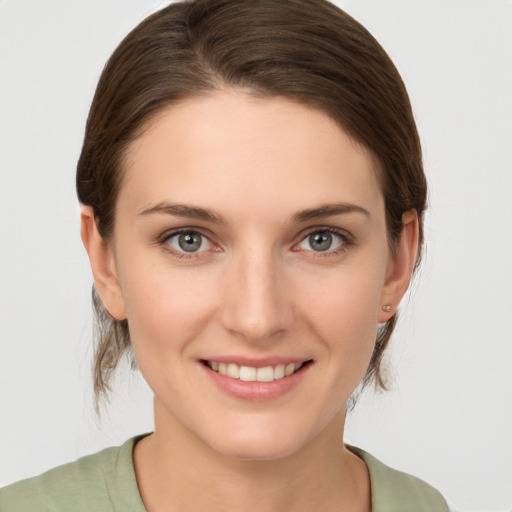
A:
[189, 241]
[321, 241]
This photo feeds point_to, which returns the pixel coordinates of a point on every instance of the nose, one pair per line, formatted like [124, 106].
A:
[256, 306]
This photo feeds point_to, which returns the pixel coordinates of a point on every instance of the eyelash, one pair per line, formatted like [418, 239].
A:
[346, 242]
[165, 237]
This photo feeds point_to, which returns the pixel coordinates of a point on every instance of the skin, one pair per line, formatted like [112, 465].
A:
[256, 289]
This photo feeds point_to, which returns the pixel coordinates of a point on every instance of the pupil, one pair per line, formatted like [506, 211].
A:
[189, 242]
[320, 241]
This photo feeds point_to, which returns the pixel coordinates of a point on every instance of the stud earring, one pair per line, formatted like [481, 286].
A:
[387, 308]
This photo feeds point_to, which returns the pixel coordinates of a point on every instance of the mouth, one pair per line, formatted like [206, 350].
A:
[253, 374]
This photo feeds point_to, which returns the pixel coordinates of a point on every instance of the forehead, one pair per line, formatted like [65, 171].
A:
[265, 150]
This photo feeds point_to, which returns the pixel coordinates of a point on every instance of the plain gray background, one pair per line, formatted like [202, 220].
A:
[448, 417]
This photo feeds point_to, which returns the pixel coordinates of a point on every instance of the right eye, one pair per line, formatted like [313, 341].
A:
[324, 240]
[189, 242]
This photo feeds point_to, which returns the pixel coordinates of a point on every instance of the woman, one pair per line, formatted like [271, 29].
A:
[252, 194]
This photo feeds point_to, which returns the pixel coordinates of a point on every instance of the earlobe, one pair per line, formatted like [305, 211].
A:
[103, 266]
[401, 266]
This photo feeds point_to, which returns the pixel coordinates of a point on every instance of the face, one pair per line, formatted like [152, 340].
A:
[251, 260]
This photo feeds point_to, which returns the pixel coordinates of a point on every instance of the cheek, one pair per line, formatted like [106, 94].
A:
[165, 307]
[342, 311]
[166, 313]
[346, 300]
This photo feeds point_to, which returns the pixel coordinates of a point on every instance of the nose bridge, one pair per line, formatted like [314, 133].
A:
[256, 306]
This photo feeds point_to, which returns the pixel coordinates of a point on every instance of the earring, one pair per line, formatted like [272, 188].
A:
[387, 308]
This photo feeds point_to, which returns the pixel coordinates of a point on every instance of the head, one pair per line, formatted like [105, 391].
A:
[306, 52]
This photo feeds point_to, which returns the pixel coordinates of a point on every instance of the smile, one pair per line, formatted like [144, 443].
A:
[252, 374]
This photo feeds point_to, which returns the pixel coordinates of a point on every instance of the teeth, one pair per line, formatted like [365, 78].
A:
[279, 371]
[289, 369]
[250, 374]
[265, 374]
[233, 371]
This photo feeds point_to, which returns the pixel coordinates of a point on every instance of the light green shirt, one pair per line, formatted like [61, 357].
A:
[105, 481]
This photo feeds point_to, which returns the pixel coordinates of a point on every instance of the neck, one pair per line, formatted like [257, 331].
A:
[177, 471]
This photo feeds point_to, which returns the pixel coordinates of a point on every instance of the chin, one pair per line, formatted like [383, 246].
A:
[265, 443]
[260, 449]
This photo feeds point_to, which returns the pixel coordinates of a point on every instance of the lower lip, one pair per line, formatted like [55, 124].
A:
[256, 391]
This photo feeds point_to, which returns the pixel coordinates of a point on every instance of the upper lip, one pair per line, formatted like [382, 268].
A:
[256, 363]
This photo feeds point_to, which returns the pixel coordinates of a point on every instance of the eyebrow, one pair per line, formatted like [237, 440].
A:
[328, 210]
[185, 210]
[195, 212]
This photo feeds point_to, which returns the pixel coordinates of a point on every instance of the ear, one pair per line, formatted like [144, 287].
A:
[400, 266]
[103, 266]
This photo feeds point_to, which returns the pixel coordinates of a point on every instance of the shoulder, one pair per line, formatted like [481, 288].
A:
[104, 481]
[395, 491]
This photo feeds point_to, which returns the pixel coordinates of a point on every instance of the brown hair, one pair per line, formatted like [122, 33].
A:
[307, 50]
